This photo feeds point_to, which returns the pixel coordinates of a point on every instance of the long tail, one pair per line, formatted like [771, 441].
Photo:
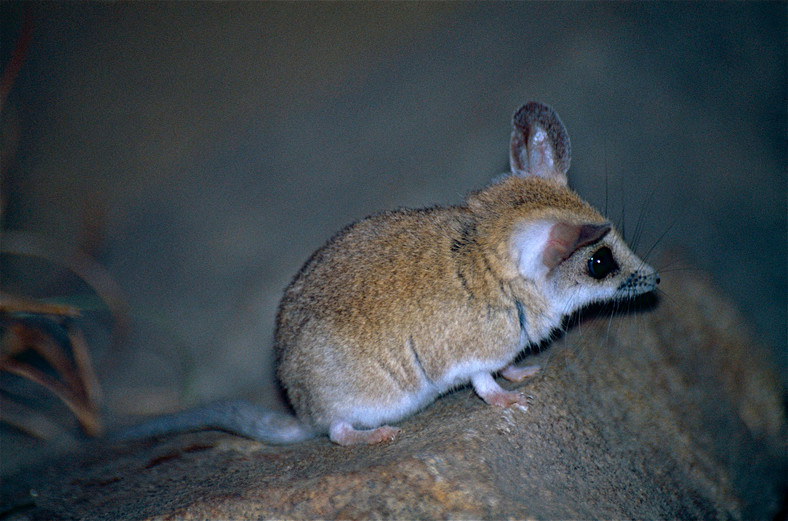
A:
[236, 417]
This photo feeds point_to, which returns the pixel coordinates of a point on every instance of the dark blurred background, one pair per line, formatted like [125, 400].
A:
[201, 151]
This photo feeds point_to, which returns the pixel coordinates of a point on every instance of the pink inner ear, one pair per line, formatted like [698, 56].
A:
[566, 238]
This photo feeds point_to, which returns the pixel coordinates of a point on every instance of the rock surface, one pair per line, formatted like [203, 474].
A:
[670, 413]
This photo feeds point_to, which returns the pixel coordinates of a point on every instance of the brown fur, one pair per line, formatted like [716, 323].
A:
[436, 285]
[403, 305]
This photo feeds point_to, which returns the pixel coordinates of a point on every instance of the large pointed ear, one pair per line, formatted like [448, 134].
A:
[539, 145]
[541, 246]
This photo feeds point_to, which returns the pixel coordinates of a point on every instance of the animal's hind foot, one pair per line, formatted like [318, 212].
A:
[344, 434]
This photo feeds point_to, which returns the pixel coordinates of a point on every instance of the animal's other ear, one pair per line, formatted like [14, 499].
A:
[541, 246]
[539, 145]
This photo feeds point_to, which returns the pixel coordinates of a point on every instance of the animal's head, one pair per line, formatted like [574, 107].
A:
[546, 231]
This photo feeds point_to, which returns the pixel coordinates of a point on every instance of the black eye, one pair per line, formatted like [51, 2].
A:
[601, 263]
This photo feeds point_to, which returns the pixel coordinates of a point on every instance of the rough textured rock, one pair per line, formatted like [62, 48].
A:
[663, 414]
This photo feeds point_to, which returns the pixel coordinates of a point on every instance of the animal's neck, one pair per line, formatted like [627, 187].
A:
[536, 313]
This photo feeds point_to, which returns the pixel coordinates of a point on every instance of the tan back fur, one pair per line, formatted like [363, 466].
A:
[404, 305]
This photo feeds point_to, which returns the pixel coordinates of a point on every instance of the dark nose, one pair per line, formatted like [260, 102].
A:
[657, 279]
